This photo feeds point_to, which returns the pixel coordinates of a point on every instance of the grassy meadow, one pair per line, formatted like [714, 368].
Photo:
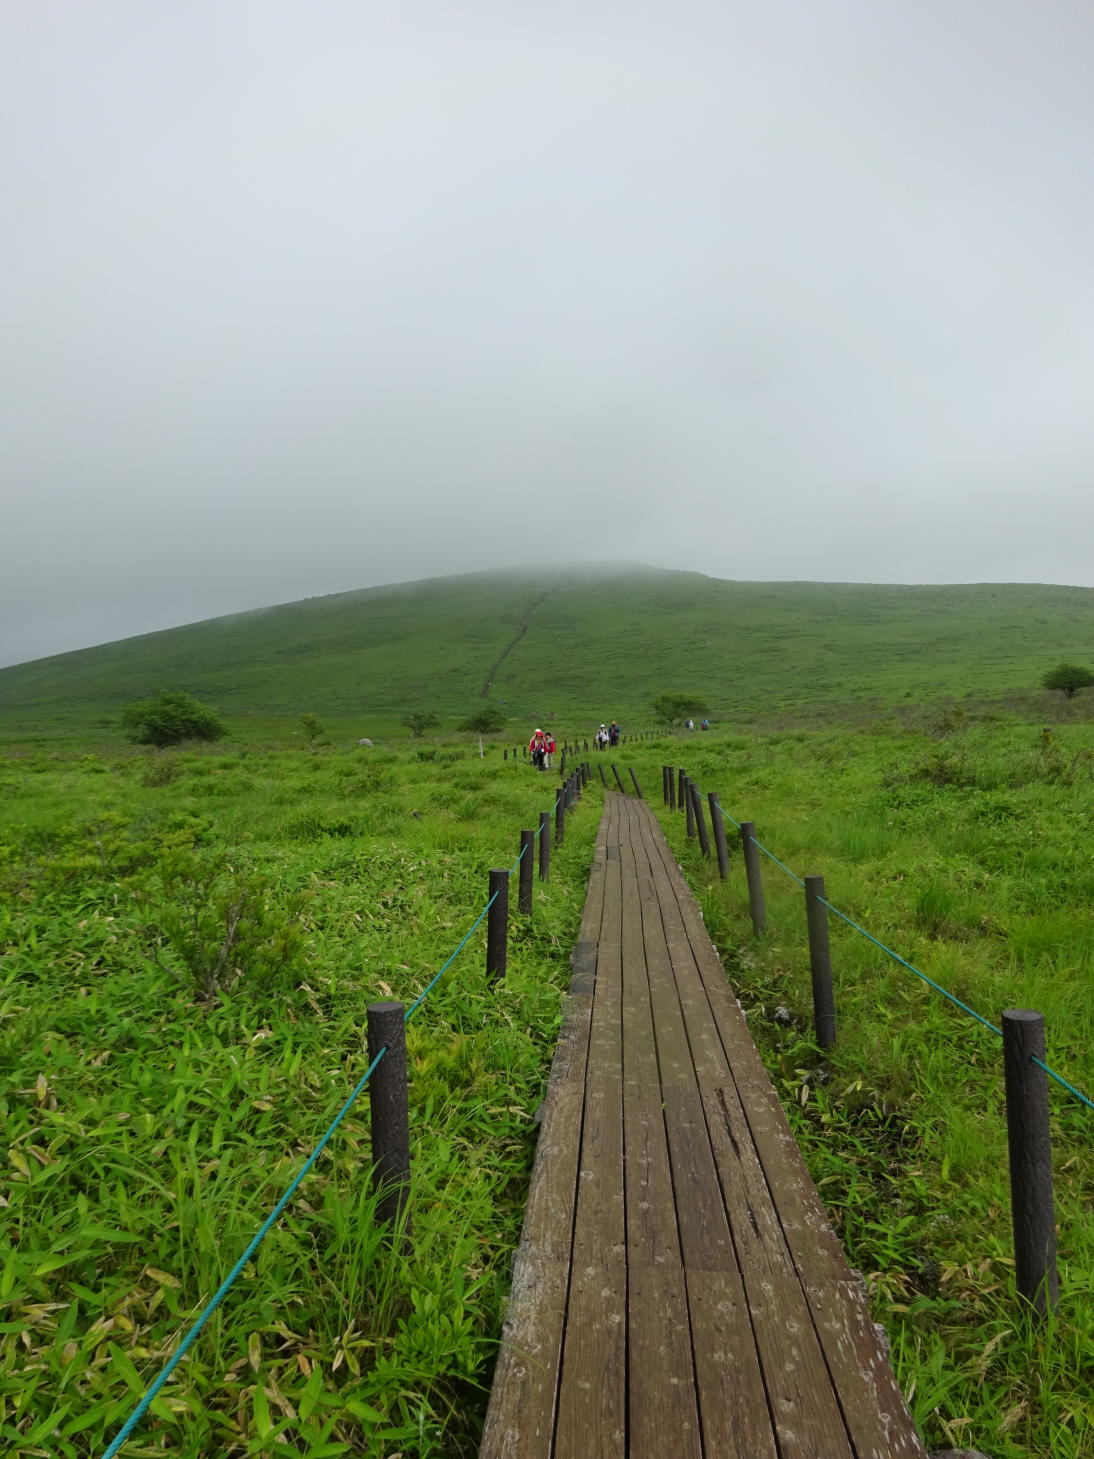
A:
[150, 1128]
[587, 644]
[964, 846]
[161, 1088]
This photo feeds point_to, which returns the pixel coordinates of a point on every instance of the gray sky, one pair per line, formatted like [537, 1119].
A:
[296, 297]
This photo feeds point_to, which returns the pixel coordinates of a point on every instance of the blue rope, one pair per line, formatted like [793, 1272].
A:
[222, 1291]
[424, 994]
[772, 857]
[225, 1286]
[1052, 1074]
[911, 968]
[727, 815]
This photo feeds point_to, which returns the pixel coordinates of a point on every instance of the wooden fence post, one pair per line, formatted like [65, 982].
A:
[603, 777]
[618, 778]
[637, 787]
[1030, 1160]
[681, 798]
[544, 845]
[389, 1118]
[755, 881]
[700, 819]
[689, 808]
[820, 962]
[497, 925]
[670, 775]
[718, 826]
[527, 870]
[560, 816]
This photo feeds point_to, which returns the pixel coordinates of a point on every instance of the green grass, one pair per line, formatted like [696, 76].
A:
[969, 856]
[584, 645]
[150, 1132]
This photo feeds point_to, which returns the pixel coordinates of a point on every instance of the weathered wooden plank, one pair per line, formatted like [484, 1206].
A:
[875, 1415]
[592, 1394]
[800, 1400]
[733, 1405]
[661, 1374]
[520, 1420]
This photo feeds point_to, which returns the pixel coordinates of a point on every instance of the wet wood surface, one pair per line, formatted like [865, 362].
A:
[678, 1289]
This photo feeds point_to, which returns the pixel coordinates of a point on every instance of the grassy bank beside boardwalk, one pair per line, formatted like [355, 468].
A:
[150, 1128]
[965, 847]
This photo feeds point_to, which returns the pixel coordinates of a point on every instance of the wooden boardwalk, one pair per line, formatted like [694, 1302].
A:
[678, 1292]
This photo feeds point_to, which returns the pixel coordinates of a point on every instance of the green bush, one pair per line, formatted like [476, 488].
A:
[171, 718]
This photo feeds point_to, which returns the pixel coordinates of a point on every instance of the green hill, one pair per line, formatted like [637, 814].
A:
[583, 643]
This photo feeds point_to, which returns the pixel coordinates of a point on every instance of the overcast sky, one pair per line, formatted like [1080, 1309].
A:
[301, 297]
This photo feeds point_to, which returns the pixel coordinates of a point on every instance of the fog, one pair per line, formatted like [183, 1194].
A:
[298, 299]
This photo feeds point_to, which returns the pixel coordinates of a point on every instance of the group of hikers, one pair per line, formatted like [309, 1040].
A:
[542, 746]
[540, 749]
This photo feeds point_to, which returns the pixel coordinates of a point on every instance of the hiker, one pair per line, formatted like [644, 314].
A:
[704, 724]
[602, 737]
[613, 734]
[550, 749]
[537, 749]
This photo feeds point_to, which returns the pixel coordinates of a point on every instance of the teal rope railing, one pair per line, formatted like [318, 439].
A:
[222, 1291]
[911, 967]
[772, 857]
[424, 994]
[888, 951]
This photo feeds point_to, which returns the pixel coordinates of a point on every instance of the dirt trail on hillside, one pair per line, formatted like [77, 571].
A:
[522, 629]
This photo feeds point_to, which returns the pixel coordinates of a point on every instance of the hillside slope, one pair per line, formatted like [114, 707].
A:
[593, 642]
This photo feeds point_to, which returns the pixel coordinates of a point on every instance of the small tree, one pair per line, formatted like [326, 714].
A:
[672, 707]
[1068, 678]
[417, 723]
[485, 721]
[169, 719]
[313, 729]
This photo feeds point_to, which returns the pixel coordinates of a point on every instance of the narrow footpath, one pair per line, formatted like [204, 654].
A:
[678, 1292]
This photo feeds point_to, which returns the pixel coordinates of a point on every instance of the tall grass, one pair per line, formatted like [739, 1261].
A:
[970, 858]
[151, 1130]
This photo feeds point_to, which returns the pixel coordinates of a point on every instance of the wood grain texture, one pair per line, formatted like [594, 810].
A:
[678, 1289]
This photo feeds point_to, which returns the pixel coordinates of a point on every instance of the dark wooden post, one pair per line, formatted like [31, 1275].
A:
[618, 778]
[505, 753]
[1030, 1160]
[820, 962]
[560, 816]
[681, 798]
[562, 764]
[689, 807]
[700, 819]
[637, 787]
[665, 784]
[672, 787]
[603, 777]
[718, 826]
[755, 881]
[544, 845]
[388, 1111]
[527, 871]
[497, 925]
